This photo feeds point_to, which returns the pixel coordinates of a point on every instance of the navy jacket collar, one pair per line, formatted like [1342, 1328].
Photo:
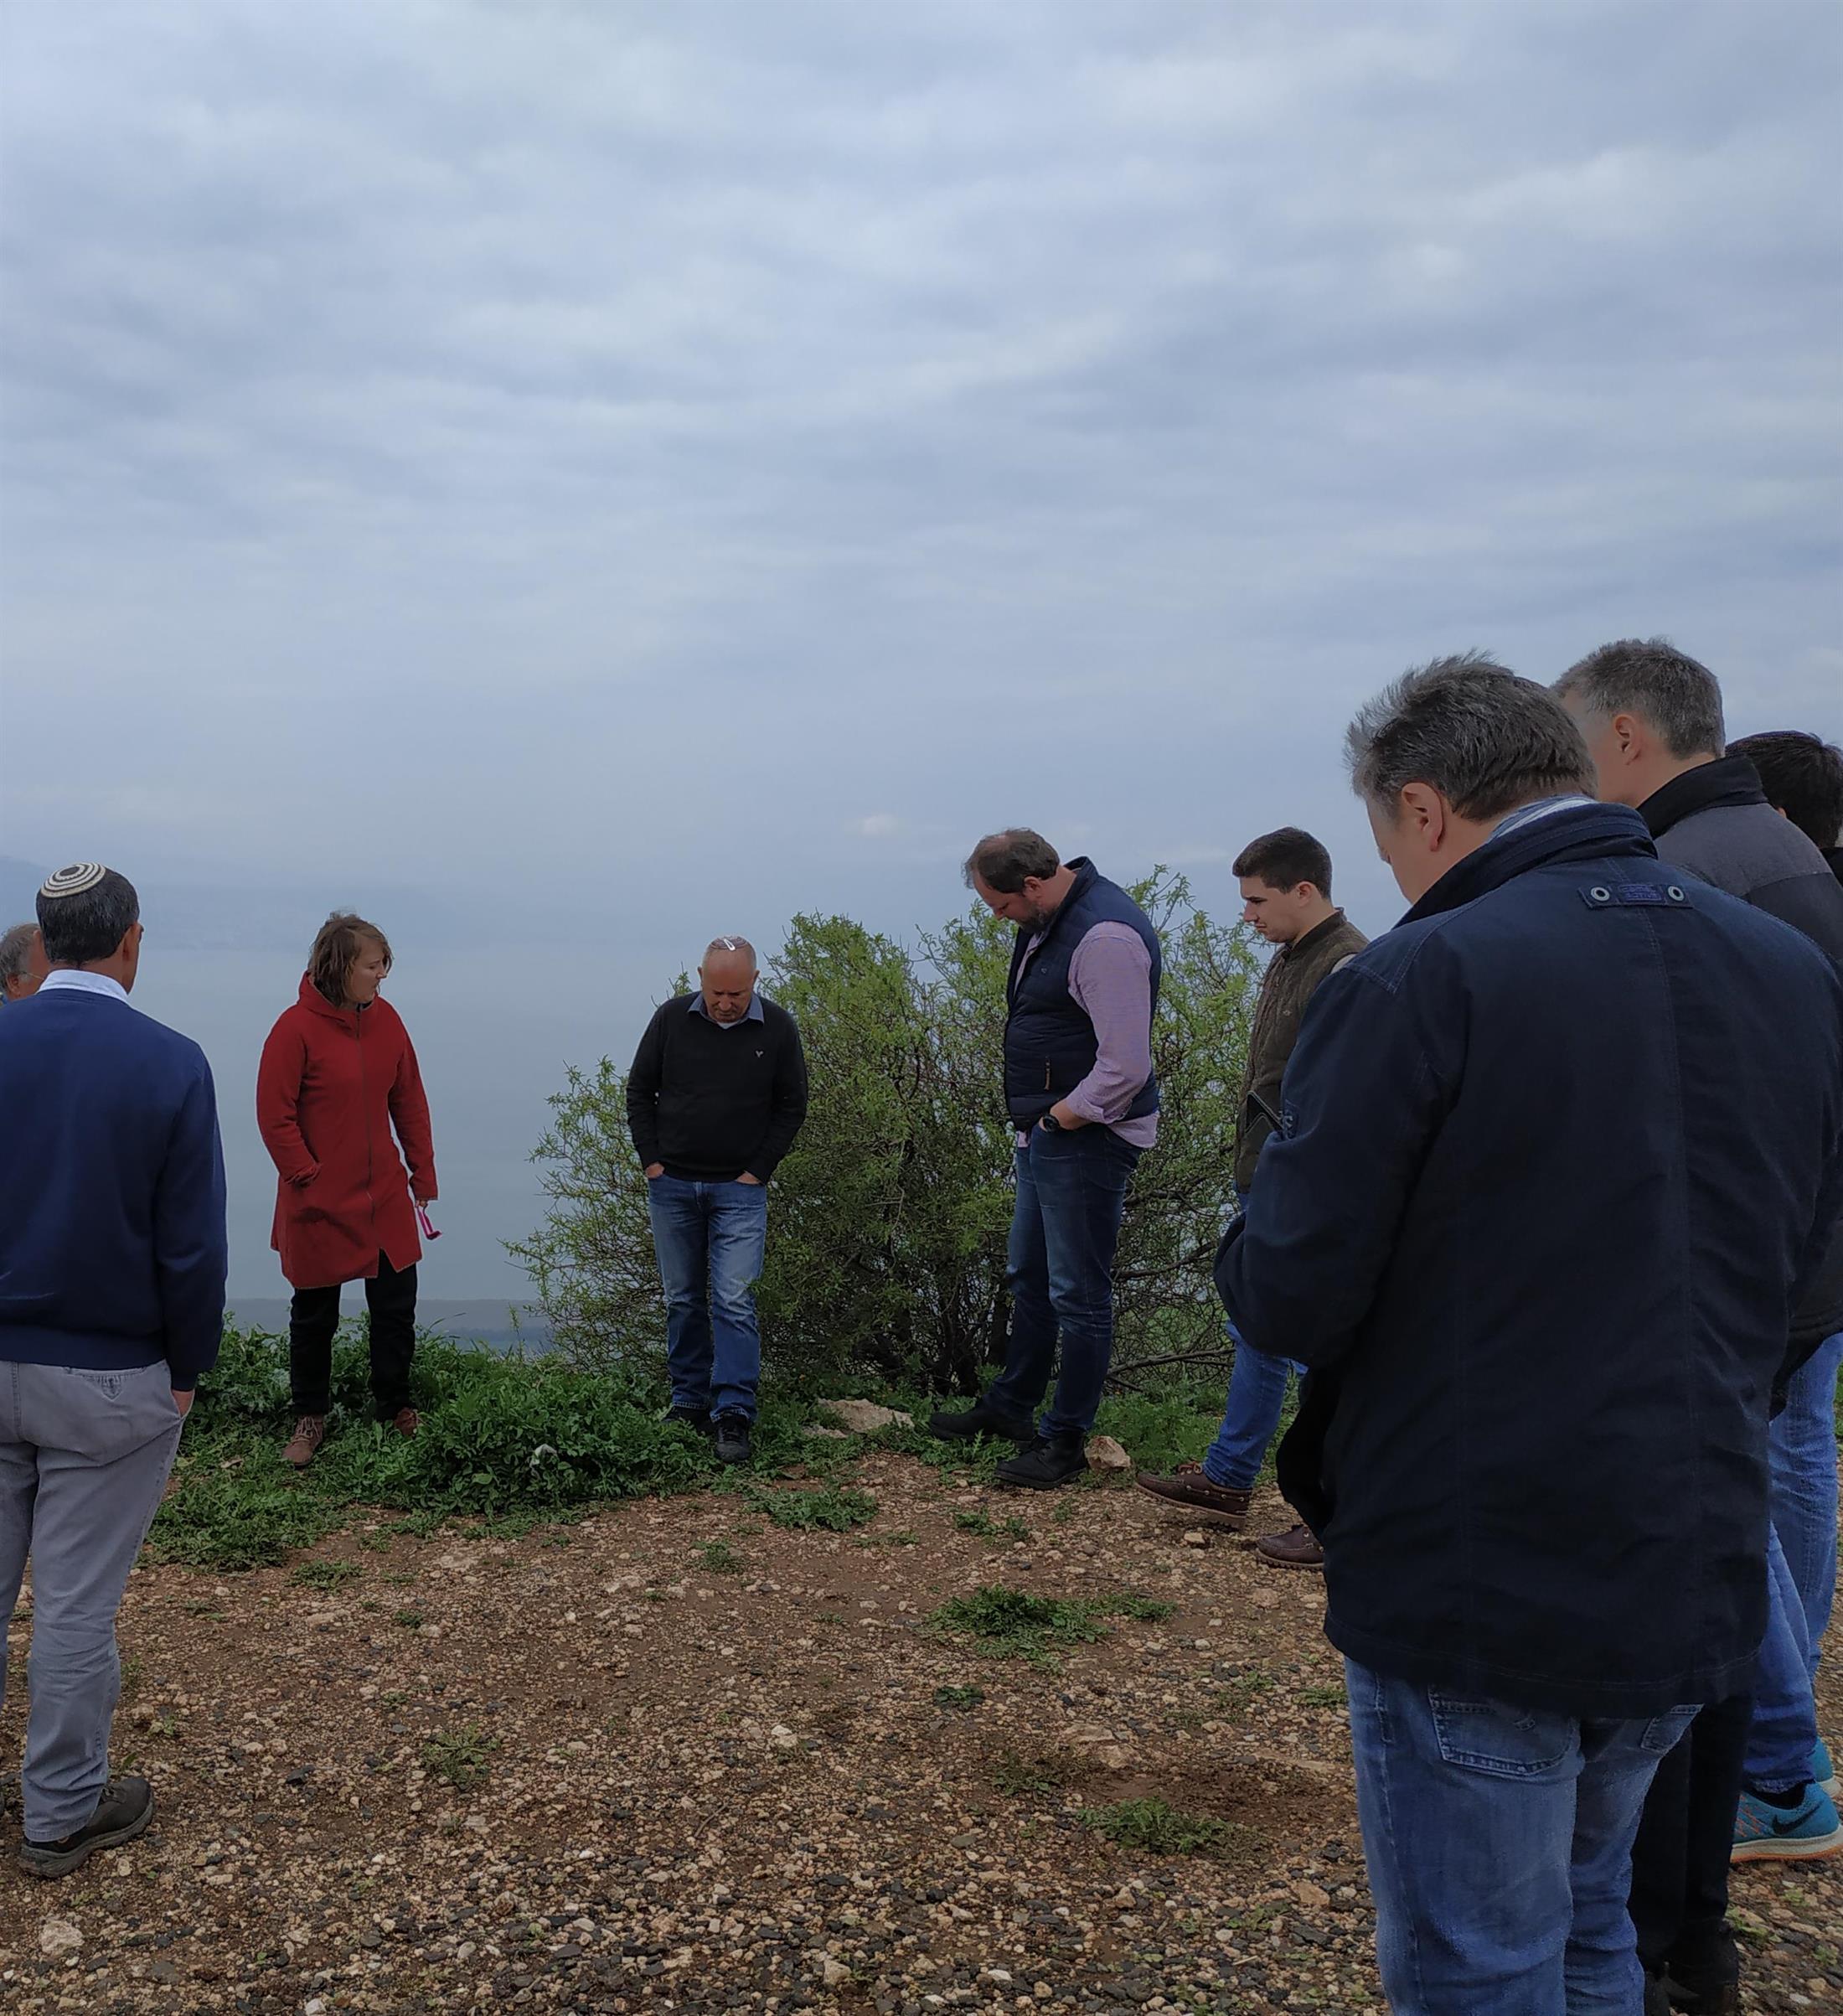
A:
[1729, 780]
[1584, 833]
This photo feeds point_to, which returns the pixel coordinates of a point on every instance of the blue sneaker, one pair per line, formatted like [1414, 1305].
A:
[1805, 1832]
[1824, 1772]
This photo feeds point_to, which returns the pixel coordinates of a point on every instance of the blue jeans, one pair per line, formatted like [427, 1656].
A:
[1071, 1192]
[1257, 1393]
[710, 1238]
[1499, 1841]
[1802, 1564]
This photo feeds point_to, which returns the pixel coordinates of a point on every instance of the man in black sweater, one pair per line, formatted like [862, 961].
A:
[716, 1093]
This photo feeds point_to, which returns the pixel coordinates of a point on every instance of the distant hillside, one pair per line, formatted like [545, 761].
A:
[479, 1321]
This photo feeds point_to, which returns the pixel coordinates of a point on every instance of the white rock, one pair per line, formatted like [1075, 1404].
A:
[1196, 1537]
[825, 1434]
[864, 1417]
[1104, 1453]
[782, 1738]
[834, 1972]
[58, 1935]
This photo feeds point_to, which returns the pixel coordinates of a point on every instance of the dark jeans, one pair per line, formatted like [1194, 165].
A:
[710, 1239]
[1680, 1861]
[1071, 1192]
[313, 1316]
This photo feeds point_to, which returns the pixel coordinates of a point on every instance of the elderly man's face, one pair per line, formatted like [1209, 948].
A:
[20, 984]
[727, 979]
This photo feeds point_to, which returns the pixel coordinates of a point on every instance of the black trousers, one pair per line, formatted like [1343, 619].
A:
[313, 1316]
[1680, 1861]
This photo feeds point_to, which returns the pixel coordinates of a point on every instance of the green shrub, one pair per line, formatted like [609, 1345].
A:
[1016, 1624]
[889, 1217]
[1150, 1827]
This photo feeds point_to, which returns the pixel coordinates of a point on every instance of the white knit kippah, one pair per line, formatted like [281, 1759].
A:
[74, 880]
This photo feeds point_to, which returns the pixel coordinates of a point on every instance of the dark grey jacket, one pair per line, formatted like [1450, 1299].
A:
[1714, 820]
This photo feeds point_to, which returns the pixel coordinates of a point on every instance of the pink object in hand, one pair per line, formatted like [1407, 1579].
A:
[429, 1229]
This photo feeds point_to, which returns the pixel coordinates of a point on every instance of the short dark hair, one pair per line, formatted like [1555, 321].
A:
[1485, 739]
[1650, 677]
[1285, 858]
[1007, 861]
[1802, 775]
[89, 925]
[334, 950]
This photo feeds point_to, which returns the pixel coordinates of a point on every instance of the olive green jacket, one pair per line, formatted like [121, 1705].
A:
[1291, 979]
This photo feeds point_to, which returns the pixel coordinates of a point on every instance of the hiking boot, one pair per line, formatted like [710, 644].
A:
[733, 1443]
[124, 1810]
[1296, 1547]
[1807, 1831]
[1190, 1486]
[406, 1421]
[310, 1431]
[1657, 1996]
[696, 1419]
[1693, 1996]
[980, 1418]
[1049, 1461]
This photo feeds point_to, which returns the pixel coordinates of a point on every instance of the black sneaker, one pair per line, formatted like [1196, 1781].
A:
[980, 1418]
[1049, 1461]
[697, 1418]
[733, 1443]
[126, 1807]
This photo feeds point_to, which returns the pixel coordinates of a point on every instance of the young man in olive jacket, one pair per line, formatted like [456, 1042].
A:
[1559, 1154]
[1286, 896]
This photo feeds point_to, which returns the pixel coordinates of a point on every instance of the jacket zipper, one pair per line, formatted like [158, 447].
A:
[365, 1108]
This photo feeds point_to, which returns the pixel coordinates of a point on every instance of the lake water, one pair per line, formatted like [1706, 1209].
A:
[491, 1052]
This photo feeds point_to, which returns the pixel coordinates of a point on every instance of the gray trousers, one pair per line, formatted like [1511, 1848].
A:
[84, 1458]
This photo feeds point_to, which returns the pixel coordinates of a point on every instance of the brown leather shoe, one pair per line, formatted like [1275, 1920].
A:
[406, 1421]
[310, 1431]
[1296, 1547]
[1188, 1487]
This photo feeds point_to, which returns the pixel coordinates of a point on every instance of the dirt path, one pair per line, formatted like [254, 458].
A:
[595, 1769]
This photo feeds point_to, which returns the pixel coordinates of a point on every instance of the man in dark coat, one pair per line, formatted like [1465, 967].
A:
[1751, 1782]
[1543, 1294]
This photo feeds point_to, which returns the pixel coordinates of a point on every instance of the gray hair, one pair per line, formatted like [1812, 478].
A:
[732, 944]
[15, 954]
[1007, 861]
[1486, 740]
[1665, 687]
[90, 923]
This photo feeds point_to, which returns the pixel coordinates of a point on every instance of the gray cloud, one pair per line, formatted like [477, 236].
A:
[751, 450]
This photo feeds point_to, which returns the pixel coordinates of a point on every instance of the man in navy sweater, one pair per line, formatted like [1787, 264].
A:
[112, 1259]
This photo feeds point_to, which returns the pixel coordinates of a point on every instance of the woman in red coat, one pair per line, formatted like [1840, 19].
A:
[337, 1073]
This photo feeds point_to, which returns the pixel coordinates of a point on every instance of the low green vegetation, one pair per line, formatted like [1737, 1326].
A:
[1152, 1826]
[833, 1509]
[326, 1575]
[1014, 1624]
[720, 1558]
[962, 1698]
[981, 1522]
[459, 1757]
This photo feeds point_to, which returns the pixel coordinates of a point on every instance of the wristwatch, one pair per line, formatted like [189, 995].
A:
[1050, 1123]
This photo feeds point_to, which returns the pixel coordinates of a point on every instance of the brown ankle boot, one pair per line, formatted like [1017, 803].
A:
[310, 1431]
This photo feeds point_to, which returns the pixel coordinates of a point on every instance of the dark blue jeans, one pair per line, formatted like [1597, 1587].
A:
[710, 1238]
[1499, 1846]
[1072, 1191]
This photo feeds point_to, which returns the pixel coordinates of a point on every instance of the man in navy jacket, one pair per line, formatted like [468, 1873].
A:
[1559, 1153]
[112, 1256]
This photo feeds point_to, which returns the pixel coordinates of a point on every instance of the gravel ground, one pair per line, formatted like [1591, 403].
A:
[592, 1769]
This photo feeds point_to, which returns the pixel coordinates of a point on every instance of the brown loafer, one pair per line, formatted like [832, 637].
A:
[406, 1421]
[1296, 1547]
[1189, 1487]
[310, 1431]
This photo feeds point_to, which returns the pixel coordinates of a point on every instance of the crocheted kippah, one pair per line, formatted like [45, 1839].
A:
[74, 880]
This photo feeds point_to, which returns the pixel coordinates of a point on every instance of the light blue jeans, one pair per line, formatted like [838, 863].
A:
[1257, 1386]
[1499, 1841]
[710, 1239]
[84, 1458]
[1801, 1565]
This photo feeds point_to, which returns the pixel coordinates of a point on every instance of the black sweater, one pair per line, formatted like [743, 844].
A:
[714, 1104]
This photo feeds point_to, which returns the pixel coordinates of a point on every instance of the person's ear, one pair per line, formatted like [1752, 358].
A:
[1628, 731]
[1423, 813]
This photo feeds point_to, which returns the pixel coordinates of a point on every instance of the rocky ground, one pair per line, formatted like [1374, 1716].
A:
[675, 1757]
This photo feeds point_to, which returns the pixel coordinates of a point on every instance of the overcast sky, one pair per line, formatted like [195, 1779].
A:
[711, 460]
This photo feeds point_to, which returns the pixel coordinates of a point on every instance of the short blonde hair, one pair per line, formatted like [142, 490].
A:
[337, 948]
